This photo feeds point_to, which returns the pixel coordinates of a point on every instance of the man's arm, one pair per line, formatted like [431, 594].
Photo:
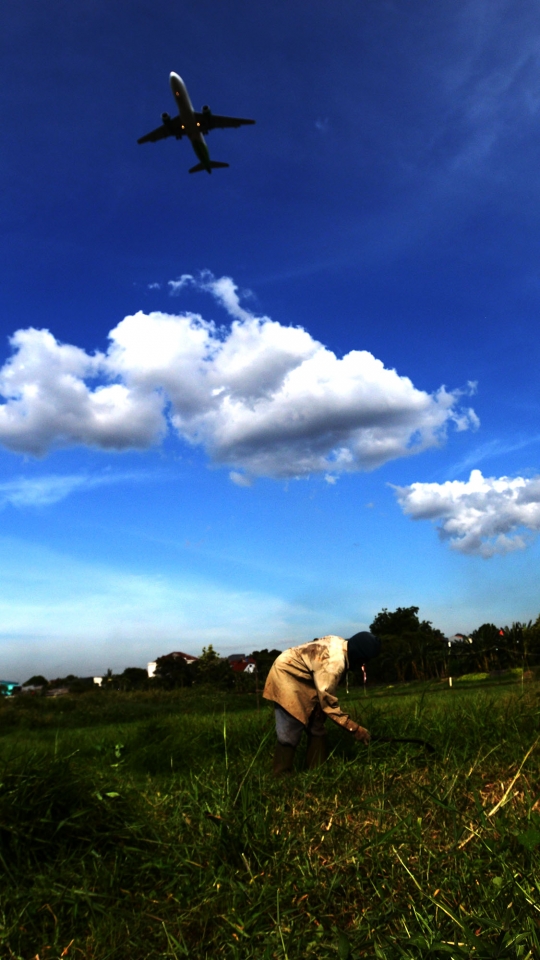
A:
[326, 676]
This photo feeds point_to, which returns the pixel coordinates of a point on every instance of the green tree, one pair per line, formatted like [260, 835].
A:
[493, 648]
[173, 672]
[487, 648]
[513, 646]
[531, 642]
[63, 681]
[264, 660]
[212, 669]
[37, 681]
[411, 649]
[133, 678]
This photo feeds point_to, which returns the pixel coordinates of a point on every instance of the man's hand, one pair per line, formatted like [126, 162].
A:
[362, 735]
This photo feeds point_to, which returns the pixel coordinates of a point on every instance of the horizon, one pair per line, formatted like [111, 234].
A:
[255, 407]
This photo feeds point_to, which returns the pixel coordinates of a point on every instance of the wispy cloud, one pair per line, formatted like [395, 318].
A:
[489, 450]
[62, 615]
[240, 479]
[224, 289]
[45, 490]
[322, 124]
[496, 82]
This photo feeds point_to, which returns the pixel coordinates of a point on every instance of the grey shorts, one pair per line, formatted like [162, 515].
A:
[289, 730]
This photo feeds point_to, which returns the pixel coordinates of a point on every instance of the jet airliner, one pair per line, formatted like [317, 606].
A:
[193, 125]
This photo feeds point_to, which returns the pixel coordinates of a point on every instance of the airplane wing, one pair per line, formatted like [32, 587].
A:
[173, 128]
[211, 121]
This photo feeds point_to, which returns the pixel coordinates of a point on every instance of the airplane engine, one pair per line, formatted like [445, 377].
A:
[165, 117]
[206, 110]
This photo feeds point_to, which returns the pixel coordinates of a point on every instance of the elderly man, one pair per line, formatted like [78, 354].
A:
[302, 683]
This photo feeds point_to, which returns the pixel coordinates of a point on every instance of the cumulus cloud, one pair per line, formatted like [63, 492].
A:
[50, 401]
[483, 515]
[258, 396]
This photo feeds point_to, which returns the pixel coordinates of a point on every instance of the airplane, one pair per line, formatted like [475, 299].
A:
[191, 124]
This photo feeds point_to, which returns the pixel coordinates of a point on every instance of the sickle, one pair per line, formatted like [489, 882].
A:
[421, 743]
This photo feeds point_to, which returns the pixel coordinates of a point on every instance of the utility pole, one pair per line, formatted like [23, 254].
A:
[257, 689]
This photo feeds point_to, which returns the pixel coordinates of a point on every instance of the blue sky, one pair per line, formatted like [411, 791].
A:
[234, 430]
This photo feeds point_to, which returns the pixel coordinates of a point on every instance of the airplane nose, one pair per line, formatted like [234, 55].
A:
[175, 80]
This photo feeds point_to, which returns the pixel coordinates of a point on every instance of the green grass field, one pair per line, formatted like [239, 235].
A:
[149, 826]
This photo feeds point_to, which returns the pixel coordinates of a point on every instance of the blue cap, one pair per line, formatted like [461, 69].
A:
[362, 647]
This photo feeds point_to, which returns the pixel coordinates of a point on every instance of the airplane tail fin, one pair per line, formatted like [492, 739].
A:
[214, 164]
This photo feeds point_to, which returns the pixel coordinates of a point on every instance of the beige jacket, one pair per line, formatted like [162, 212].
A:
[307, 676]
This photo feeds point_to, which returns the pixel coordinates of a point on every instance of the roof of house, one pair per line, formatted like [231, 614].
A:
[242, 664]
[178, 653]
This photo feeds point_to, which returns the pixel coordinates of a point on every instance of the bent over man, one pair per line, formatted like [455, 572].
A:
[302, 683]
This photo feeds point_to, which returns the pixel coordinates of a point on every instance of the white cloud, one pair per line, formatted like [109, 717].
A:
[50, 403]
[484, 515]
[260, 397]
[223, 289]
[176, 286]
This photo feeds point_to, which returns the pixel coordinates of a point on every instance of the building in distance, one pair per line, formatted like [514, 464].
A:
[242, 664]
[186, 657]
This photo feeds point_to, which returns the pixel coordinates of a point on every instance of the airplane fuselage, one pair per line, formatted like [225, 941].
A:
[192, 124]
[188, 119]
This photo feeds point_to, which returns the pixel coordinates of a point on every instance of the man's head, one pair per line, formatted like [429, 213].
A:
[361, 648]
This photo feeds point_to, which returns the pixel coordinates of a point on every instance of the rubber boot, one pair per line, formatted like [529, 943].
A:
[283, 759]
[317, 752]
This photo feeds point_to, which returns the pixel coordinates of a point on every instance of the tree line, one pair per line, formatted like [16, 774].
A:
[411, 649]
[208, 670]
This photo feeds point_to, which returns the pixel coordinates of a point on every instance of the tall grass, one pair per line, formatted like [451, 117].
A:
[154, 829]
